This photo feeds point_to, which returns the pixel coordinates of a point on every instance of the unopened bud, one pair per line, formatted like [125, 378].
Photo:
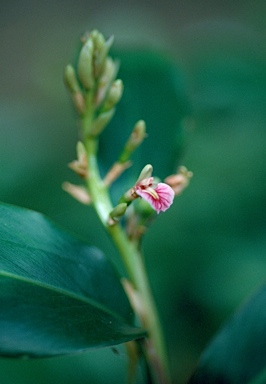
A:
[145, 173]
[81, 150]
[108, 75]
[139, 133]
[80, 166]
[101, 49]
[79, 102]
[85, 65]
[101, 121]
[117, 213]
[114, 94]
[72, 84]
[71, 80]
[135, 139]
[98, 39]
[180, 180]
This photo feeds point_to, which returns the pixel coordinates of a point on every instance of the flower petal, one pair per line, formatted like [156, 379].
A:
[165, 194]
[166, 197]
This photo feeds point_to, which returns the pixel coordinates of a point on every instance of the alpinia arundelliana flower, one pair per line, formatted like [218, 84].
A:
[159, 195]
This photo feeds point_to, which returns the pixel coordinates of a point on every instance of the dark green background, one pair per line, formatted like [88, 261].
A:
[207, 253]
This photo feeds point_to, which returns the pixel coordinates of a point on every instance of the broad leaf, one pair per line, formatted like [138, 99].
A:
[237, 354]
[57, 294]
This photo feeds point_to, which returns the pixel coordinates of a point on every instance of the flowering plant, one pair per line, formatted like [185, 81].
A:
[96, 92]
[68, 295]
[60, 296]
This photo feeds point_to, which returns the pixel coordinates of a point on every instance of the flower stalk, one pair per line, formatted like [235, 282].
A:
[133, 261]
[95, 93]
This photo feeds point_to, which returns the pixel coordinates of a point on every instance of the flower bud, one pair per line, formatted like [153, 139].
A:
[80, 166]
[71, 80]
[98, 40]
[101, 49]
[85, 65]
[101, 121]
[72, 84]
[136, 138]
[114, 94]
[117, 213]
[138, 134]
[180, 180]
[145, 173]
[106, 79]
[81, 151]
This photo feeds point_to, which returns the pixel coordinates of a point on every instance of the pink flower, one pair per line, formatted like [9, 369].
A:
[160, 196]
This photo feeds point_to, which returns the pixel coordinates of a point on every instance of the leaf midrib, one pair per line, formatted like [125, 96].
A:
[65, 292]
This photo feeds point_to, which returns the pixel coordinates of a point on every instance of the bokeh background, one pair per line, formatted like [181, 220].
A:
[206, 254]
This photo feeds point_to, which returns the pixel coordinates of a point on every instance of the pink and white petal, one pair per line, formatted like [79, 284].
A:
[149, 198]
[166, 196]
[145, 195]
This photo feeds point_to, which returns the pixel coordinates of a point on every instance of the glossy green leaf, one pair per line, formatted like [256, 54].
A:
[57, 294]
[237, 355]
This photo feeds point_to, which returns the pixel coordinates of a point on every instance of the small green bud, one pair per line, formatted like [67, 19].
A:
[135, 139]
[108, 75]
[100, 123]
[85, 64]
[80, 166]
[98, 39]
[79, 102]
[118, 211]
[72, 84]
[138, 134]
[71, 80]
[99, 52]
[114, 94]
[145, 173]
[102, 56]
[81, 151]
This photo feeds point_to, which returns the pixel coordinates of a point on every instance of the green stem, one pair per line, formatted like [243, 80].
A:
[133, 261]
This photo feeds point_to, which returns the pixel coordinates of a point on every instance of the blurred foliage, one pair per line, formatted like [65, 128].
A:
[207, 253]
[238, 352]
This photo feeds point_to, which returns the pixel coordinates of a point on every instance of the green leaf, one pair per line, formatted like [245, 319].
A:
[238, 353]
[57, 294]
